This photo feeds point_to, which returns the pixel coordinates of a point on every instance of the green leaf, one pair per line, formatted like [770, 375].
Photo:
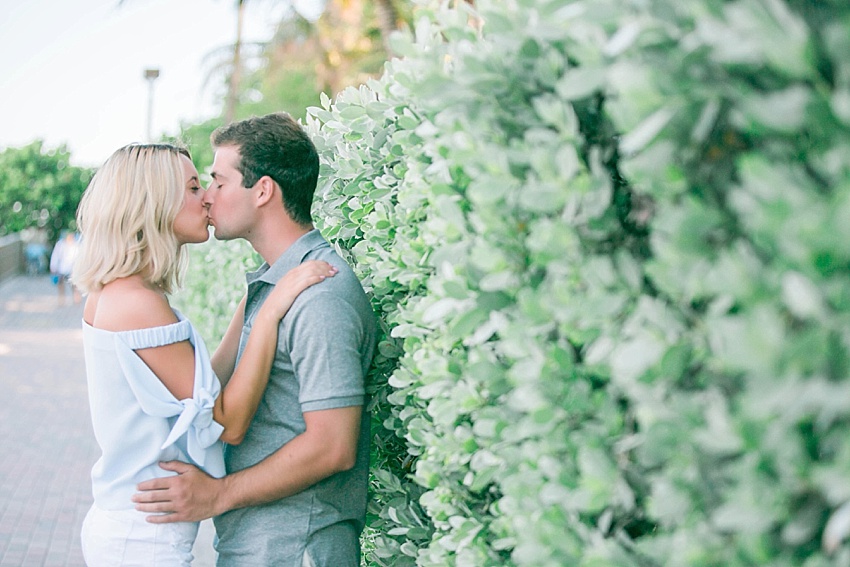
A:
[646, 131]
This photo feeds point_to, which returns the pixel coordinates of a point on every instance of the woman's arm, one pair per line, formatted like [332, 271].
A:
[224, 358]
[235, 407]
[128, 304]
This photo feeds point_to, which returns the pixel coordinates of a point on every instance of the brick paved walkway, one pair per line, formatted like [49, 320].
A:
[47, 444]
[47, 447]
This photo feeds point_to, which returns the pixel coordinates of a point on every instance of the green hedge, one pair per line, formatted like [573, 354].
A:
[609, 245]
[608, 242]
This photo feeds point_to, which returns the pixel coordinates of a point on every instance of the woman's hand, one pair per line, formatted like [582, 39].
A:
[235, 407]
[293, 283]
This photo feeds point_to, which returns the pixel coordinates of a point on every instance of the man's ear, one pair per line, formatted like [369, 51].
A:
[264, 190]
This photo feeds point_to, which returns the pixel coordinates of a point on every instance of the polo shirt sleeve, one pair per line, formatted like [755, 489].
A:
[326, 337]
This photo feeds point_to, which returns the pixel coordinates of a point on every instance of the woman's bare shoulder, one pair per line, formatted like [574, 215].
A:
[127, 304]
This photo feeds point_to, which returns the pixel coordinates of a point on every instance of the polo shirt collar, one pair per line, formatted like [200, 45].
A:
[292, 257]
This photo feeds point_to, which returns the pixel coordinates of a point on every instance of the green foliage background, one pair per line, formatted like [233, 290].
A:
[608, 243]
[39, 189]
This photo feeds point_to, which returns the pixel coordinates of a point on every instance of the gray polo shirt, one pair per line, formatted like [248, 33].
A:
[325, 347]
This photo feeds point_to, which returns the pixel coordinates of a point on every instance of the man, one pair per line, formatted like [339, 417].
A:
[295, 493]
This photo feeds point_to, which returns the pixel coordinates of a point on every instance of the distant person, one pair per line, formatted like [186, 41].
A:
[62, 264]
[296, 489]
[153, 393]
[36, 258]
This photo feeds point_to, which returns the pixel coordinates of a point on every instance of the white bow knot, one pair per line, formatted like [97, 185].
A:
[197, 411]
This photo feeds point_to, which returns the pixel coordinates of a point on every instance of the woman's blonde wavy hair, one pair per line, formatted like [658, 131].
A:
[126, 218]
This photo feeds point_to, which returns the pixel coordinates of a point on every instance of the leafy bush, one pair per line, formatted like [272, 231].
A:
[214, 284]
[606, 242]
[39, 188]
[741, 441]
[481, 213]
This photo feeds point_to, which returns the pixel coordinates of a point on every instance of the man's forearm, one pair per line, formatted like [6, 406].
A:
[325, 449]
[288, 471]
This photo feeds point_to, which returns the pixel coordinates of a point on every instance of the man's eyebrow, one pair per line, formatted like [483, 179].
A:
[215, 175]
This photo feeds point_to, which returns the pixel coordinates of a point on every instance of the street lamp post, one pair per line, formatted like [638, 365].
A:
[151, 76]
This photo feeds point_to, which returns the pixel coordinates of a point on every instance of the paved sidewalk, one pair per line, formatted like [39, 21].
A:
[46, 440]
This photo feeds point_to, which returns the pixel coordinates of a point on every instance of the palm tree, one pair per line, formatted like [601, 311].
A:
[237, 63]
[341, 27]
[236, 67]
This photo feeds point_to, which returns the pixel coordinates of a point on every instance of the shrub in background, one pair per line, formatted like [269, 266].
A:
[214, 285]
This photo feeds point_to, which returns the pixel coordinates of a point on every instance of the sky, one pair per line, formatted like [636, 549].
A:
[72, 71]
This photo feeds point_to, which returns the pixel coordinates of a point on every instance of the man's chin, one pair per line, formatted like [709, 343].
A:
[219, 235]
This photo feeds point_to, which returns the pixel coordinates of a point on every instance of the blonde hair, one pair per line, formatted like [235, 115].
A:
[126, 218]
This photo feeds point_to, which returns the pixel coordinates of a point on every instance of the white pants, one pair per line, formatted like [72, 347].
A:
[122, 537]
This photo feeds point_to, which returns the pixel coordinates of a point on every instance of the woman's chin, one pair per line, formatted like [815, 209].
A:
[195, 239]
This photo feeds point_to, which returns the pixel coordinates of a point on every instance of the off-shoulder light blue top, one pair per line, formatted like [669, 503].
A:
[137, 422]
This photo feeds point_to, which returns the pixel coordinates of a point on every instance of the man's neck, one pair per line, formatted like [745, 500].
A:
[272, 241]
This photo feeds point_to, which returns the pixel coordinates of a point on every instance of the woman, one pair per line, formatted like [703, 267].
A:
[152, 390]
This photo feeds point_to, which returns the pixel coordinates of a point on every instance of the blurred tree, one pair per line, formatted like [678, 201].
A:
[39, 189]
[288, 76]
[387, 16]
[196, 137]
[316, 48]
[352, 44]
[232, 64]
[345, 45]
[354, 39]
[236, 65]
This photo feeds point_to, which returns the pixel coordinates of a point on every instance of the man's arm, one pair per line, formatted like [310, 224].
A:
[328, 446]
